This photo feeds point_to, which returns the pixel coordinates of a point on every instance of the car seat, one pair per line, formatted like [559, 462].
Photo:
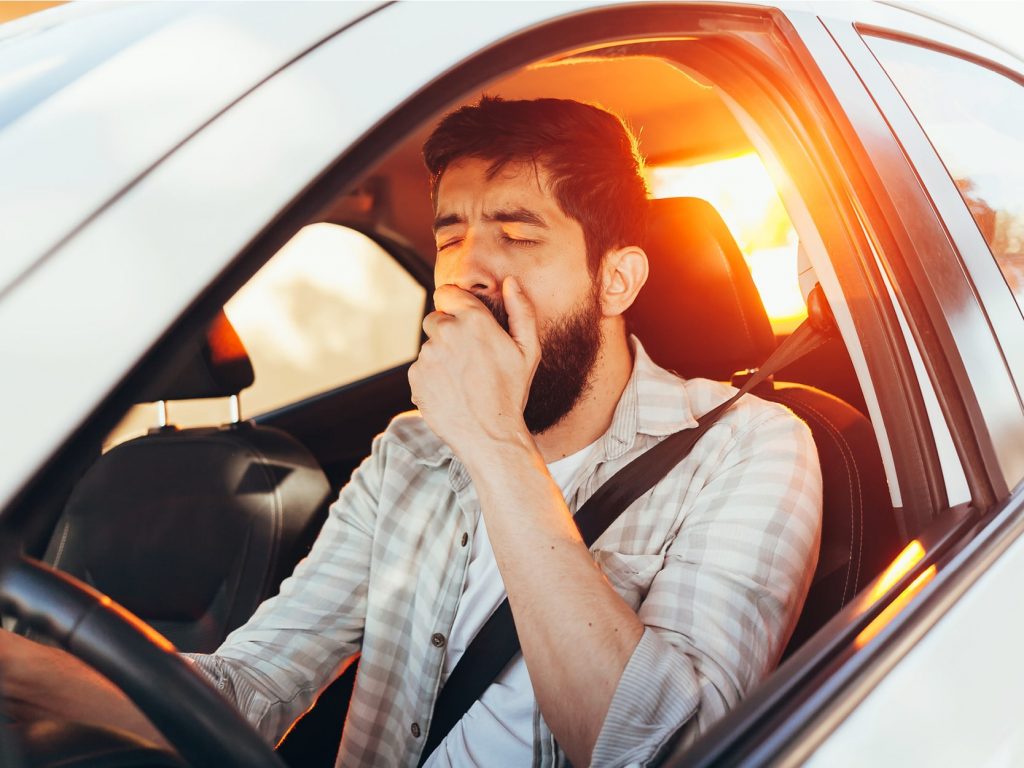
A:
[700, 315]
[191, 529]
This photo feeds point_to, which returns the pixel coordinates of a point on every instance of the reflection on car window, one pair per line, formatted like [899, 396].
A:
[974, 117]
[330, 308]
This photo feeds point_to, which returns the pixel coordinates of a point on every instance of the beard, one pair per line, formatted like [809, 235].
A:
[569, 346]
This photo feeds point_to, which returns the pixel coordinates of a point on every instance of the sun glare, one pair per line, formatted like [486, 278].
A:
[743, 193]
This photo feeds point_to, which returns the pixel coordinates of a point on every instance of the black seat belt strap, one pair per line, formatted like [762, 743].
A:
[497, 642]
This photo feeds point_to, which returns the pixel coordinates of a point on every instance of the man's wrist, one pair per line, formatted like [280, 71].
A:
[500, 448]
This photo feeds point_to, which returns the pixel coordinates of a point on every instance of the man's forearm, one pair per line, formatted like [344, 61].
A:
[576, 633]
[39, 682]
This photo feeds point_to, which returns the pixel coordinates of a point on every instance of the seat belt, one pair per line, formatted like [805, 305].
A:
[497, 642]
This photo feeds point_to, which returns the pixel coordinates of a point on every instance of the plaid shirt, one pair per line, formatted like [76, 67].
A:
[716, 560]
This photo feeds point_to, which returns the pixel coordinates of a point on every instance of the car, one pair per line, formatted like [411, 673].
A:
[174, 173]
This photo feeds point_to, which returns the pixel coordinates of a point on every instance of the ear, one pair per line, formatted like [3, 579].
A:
[623, 273]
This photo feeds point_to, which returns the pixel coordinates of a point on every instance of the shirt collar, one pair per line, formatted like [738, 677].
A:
[654, 402]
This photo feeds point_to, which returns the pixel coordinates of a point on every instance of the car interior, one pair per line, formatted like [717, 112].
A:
[191, 525]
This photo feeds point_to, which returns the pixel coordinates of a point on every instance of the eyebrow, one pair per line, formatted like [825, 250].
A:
[504, 216]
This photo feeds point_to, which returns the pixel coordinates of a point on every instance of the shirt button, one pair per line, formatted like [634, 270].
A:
[437, 639]
[415, 730]
[465, 539]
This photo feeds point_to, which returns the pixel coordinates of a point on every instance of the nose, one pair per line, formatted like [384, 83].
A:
[471, 267]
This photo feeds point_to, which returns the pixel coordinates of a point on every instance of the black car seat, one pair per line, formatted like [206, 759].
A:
[192, 528]
[700, 315]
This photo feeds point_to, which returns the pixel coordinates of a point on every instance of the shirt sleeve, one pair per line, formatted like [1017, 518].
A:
[273, 667]
[719, 613]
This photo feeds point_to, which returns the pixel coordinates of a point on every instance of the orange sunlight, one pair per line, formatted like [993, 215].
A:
[911, 555]
[907, 559]
[743, 193]
[891, 610]
[12, 10]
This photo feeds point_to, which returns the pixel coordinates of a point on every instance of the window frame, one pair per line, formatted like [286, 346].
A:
[971, 305]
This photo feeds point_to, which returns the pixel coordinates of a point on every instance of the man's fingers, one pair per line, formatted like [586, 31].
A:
[522, 319]
[433, 322]
[452, 300]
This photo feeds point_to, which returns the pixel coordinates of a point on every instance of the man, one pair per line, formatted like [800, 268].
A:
[530, 396]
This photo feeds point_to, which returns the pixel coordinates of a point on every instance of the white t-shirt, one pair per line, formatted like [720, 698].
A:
[498, 729]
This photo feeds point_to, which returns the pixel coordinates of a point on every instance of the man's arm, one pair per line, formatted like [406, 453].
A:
[471, 383]
[720, 611]
[39, 682]
[576, 633]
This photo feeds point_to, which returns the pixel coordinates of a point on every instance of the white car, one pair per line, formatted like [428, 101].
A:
[163, 163]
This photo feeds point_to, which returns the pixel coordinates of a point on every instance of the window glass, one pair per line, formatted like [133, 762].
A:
[330, 308]
[741, 191]
[974, 117]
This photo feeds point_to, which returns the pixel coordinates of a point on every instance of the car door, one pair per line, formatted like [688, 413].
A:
[934, 681]
[947, 689]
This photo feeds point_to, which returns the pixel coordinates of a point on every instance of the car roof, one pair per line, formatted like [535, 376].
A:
[93, 95]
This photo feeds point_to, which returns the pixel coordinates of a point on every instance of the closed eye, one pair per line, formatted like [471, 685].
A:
[522, 242]
[449, 244]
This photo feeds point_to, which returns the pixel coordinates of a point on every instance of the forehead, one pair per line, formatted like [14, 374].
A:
[469, 185]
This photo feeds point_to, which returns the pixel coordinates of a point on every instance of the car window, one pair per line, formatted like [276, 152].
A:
[330, 308]
[974, 117]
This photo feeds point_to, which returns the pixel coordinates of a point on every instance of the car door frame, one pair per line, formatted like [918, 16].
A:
[946, 318]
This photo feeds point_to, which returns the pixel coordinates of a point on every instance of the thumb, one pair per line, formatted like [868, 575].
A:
[522, 320]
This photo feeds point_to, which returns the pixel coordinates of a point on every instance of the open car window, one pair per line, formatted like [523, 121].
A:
[330, 308]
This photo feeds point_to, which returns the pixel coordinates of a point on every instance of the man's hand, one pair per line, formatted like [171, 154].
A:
[471, 380]
[38, 682]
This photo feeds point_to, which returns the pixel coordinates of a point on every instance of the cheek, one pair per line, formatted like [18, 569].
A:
[555, 295]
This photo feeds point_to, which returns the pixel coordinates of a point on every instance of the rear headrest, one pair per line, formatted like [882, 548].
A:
[699, 313]
[215, 365]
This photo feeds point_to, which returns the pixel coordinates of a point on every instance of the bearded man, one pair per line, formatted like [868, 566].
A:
[530, 395]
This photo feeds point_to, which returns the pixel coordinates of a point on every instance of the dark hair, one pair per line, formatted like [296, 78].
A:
[590, 155]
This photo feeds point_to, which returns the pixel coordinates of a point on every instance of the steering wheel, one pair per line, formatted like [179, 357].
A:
[191, 714]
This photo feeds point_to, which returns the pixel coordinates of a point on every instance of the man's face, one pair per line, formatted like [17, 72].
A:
[489, 229]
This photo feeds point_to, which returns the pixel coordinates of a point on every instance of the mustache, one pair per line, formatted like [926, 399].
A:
[497, 308]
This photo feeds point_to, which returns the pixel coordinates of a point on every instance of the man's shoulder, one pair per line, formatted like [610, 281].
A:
[409, 434]
[666, 399]
[748, 413]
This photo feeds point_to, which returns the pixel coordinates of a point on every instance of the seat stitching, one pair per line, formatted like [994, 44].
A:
[860, 497]
[854, 477]
[60, 547]
[277, 524]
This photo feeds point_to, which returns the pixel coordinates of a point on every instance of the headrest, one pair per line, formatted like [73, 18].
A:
[700, 313]
[214, 365]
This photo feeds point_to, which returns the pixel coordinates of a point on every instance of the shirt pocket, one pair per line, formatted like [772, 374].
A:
[630, 575]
